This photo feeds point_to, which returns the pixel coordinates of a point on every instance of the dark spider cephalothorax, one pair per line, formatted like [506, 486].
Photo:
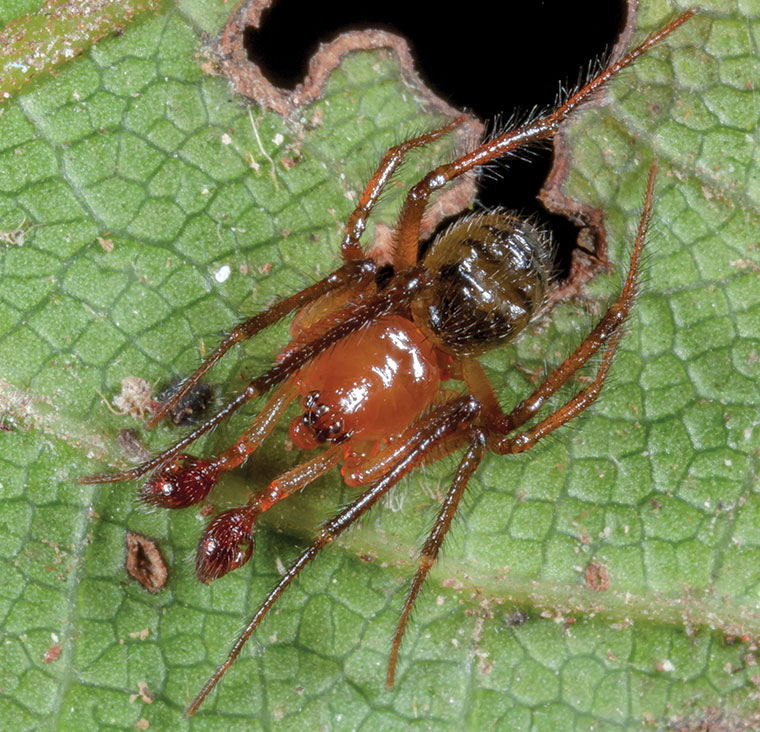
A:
[370, 351]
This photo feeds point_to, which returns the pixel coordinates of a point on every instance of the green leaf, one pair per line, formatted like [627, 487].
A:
[606, 579]
[58, 31]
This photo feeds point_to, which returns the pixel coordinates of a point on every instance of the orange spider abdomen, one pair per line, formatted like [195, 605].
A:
[368, 386]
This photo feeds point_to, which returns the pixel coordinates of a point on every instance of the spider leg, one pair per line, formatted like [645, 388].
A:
[441, 423]
[607, 333]
[357, 222]
[296, 478]
[408, 229]
[429, 553]
[227, 542]
[397, 296]
[184, 480]
[351, 273]
[375, 467]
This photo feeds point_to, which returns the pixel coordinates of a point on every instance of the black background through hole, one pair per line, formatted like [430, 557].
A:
[490, 58]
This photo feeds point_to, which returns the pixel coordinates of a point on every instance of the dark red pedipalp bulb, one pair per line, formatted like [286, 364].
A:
[226, 544]
[182, 481]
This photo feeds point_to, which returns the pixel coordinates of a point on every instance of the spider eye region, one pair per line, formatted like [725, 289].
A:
[490, 276]
[370, 385]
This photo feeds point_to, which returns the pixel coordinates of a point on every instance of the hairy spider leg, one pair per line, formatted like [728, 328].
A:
[350, 274]
[227, 542]
[399, 294]
[185, 480]
[374, 467]
[469, 464]
[408, 230]
[431, 430]
[609, 330]
[355, 270]
[357, 221]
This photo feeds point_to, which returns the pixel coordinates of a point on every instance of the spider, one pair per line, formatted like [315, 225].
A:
[368, 355]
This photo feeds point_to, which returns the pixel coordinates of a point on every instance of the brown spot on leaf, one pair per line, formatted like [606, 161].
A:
[106, 244]
[597, 577]
[207, 510]
[52, 653]
[145, 563]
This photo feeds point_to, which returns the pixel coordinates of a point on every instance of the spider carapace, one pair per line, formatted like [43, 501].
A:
[370, 352]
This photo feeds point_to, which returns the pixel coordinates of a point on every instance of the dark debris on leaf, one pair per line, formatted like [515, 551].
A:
[190, 408]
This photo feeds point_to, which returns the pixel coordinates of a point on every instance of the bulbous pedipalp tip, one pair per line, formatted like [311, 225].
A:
[226, 544]
[182, 481]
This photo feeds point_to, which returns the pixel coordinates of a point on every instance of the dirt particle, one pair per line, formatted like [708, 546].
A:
[16, 235]
[145, 563]
[597, 577]
[52, 653]
[131, 445]
[105, 244]
[135, 398]
[145, 693]
[516, 619]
